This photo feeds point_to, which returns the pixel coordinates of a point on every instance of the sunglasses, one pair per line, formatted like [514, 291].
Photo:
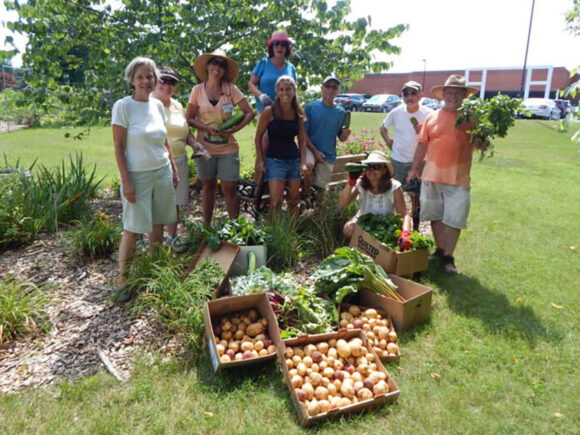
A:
[167, 81]
[217, 62]
[376, 167]
[280, 43]
[328, 86]
[407, 93]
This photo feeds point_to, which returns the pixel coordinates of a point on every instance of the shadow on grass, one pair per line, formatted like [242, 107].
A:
[468, 297]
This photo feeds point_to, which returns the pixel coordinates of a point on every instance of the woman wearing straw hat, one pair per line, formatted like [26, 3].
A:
[210, 104]
[377, 191]
[178, 136]
[447, 151]
[262, 84]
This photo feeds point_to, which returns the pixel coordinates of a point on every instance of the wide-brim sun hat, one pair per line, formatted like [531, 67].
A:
[453, 81]
[279, 35]
[200, 66]
[378, 158]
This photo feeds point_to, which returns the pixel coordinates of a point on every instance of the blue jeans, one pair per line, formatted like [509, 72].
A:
[282, 169]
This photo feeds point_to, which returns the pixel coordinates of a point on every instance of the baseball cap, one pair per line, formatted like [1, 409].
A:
[329, 78]
[412, 85]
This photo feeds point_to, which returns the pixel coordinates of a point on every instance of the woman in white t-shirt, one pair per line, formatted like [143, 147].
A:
[145, 161]
[377, 191]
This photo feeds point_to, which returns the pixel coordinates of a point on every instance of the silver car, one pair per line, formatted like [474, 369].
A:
[540, 108]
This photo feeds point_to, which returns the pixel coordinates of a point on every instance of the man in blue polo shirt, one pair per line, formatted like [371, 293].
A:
[324, 124]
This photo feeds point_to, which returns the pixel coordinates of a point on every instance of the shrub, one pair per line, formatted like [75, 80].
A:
[60, 195]
[283, 244]
[364, 142]
[96, 238]
[21, 310]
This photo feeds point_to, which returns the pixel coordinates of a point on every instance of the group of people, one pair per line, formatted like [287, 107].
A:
[294, 145]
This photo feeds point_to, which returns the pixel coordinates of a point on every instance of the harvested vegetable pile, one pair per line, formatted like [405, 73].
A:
[242, 335]
[491, 118]
[348, 270]
[297, 309]
[387, 229]
[333, 374]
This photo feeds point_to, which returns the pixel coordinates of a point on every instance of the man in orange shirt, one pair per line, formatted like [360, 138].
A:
[447, 151]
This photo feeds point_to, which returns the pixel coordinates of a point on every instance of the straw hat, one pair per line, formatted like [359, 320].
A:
[378, 158]
[200, 66]
[279, 35]
[453, 81]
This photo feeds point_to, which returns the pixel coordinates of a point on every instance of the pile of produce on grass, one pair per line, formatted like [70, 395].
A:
[387, 229]
[347, 271]
[333, 374]
[490, 119]
[239, 231]
[297, 308]
[242, 335]
[382, 337]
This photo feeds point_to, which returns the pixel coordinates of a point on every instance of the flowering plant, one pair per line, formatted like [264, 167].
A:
[364, 142]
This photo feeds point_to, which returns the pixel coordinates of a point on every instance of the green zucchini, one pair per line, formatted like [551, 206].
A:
[346, 122]
[251, 262]
[355, 167]
[414, 121]
[236, 119]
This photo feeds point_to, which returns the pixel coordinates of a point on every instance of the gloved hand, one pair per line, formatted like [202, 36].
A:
[404, 241]
[353, 176]
[265, 100]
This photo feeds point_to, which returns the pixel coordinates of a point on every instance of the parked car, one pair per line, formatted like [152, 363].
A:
[431, 103]
[381, 103]
[350, 101]
[564, 106]
[540, 108]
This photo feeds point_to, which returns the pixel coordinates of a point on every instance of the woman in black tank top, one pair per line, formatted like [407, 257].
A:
[285, 160]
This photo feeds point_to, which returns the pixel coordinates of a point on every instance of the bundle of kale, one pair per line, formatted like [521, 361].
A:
[490, 119]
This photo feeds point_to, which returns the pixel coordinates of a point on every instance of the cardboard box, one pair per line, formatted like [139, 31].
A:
[305, 419]
[400, 263]
[215, 309]
[224, 256]
[414, 311]
[388, 359]
[240, 266]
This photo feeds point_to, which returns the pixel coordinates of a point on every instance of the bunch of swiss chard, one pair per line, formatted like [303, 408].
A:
[387, 229]
[347, 271]
[297, 308]
[490, 119]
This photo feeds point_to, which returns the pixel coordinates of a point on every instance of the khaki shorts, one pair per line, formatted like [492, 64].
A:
[446, 203]
[225, 167]
[154, 201]
[322, 171]
[182, 189]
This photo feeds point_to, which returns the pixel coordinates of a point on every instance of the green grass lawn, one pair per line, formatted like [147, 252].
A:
[50, 146]
[497, 356]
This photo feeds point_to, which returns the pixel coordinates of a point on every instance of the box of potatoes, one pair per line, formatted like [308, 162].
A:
[334, 374]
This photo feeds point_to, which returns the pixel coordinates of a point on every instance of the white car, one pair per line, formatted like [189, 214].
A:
[540, 108]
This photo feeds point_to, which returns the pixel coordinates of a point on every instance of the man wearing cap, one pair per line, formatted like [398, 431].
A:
[324, 124]
[447, 152]
[407, 120]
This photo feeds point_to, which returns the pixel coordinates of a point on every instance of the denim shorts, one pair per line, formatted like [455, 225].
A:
[282, 169]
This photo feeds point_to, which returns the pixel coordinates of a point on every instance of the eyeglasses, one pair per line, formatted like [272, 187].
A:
[217, 62]
[328, 86]
[376, 167]
[168, 81]
[280, 43]
[407, 93]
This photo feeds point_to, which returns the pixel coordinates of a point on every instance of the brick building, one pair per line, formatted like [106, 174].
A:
[540, 81]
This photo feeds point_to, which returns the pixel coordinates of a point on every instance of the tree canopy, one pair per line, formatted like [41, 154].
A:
[77, 49]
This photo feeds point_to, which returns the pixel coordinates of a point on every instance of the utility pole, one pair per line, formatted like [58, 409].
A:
[527, 48]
